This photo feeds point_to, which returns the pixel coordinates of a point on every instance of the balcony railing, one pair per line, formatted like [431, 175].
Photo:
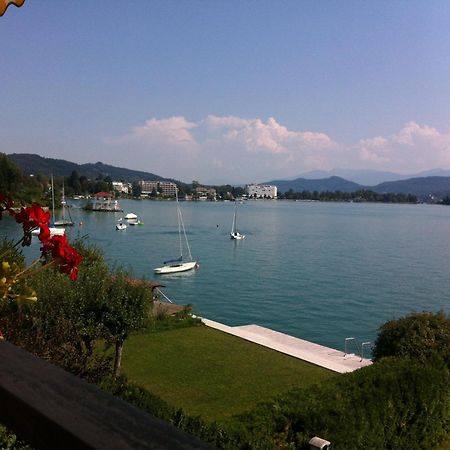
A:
[53, 409]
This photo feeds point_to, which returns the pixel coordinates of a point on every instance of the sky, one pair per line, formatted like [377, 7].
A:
[234, 91]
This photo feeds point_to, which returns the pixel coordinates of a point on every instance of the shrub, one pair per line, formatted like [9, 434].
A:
[422, 336]
[395, 404]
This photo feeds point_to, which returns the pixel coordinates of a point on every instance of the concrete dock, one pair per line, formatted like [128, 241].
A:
[319, 355]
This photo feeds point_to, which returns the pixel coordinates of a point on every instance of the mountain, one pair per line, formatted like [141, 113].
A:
[432, 173]
[422, 187]
[34, 164]
[370, 177]
[326, 184]
[363, 177]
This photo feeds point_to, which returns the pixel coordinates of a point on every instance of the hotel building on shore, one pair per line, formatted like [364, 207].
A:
[167, 188]
[261, 191]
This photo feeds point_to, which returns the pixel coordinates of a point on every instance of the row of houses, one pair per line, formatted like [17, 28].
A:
[168, 189]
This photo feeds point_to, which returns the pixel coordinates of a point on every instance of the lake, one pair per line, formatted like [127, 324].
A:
[318, 271]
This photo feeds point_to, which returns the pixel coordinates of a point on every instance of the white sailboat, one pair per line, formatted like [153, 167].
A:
[54, 231]
[234, 232]
[65, 220]
[178, 265]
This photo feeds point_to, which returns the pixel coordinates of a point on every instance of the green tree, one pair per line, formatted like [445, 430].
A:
[73, 182]
[126, 306]
[424, 336]
[136, 189]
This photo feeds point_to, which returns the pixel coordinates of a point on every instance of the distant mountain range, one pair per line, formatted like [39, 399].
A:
[369, 177]
[34, 164]
[422, 187]
[434, 183]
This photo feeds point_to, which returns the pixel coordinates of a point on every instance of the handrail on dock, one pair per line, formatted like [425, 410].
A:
[346, 340]
[362, 348]
[359, 348]
[164, 295]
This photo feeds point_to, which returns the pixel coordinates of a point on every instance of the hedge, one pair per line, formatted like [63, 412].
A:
[393, 404]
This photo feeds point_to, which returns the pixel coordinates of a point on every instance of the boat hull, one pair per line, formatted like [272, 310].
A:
[237, 236]
[63, 223]
[53, 231]
[182, 267]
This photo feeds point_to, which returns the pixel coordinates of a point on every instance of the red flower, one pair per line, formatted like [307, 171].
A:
[38, 215]
[65, 255]
[31, 218]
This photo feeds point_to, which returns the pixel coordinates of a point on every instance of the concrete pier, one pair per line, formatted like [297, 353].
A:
[319, 355]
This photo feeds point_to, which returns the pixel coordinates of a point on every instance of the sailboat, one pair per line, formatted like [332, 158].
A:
[64, 221]
[54, 231]
[234, 232]
[178, 265]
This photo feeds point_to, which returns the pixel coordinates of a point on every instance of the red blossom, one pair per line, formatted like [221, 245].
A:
[31, 218]
[45, 233]
[65, 256]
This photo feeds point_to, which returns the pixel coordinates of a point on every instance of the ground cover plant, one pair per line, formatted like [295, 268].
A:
[394, 404]
[209, 373]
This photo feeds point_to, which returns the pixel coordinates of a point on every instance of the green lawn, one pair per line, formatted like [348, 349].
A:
[210, 373]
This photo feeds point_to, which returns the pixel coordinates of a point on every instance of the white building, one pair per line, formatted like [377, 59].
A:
[261, 191]
[121, 187]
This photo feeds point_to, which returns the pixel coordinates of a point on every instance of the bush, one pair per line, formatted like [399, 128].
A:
[394, 404]
[422, 336]
[9, 441]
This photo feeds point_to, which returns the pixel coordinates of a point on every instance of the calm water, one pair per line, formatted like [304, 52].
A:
[318, 271]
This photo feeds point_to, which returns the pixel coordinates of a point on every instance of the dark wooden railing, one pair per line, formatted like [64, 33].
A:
[52, 409]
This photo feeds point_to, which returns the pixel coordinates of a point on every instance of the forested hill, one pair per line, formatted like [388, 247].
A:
[421, 187]
[34, 164]
[330, 184]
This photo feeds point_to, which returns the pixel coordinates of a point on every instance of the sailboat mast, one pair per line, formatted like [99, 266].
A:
[53, 200]
[233, 226]
[179, 222]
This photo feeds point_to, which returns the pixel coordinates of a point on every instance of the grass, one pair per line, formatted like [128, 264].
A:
[210, 373]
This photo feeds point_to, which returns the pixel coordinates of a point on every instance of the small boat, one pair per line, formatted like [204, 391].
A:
[132, 219]
[234, 232]
[178, 265]
[120, 225]
[53, 231]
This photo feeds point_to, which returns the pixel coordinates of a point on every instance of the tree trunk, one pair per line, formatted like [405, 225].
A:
[118, 358]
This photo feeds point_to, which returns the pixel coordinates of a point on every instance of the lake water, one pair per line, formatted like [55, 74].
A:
[318, 271]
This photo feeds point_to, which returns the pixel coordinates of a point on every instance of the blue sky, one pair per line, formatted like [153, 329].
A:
[228, 91]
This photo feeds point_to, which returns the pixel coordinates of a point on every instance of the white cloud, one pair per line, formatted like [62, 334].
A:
[413, 148]
[235, 150]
